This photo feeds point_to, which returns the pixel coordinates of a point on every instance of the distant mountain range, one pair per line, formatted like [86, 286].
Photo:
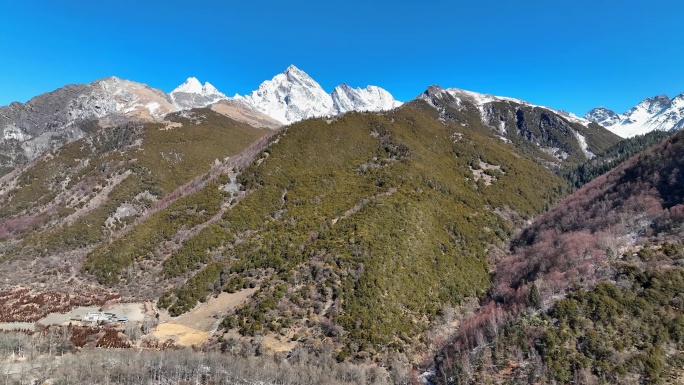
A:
[657, 113]
[289, 97]
[51, 120]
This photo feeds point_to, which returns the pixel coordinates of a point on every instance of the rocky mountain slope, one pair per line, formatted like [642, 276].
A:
[95, 188]
[658, 113]
[552, 138]
[51, 120]
[238, 110]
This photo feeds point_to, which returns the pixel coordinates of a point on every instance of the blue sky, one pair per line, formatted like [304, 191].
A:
[566, 54]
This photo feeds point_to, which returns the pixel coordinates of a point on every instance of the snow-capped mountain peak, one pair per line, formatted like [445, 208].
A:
[656, 113]
[290, 96]
[191, 86]
[209, 89]
[293, 95]
[371, 98]
[192, 94]
[291, 70]
[602, 116]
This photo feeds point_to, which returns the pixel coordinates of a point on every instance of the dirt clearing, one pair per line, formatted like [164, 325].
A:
[180, 334]
[196, 326]
[208, 315]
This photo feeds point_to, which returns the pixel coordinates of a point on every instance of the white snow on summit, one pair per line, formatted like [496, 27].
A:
[290, 97]
[657, 113]
[293, 96]
[112, 95]
[192, 94]
[371, 98]
[191, 86]
[481, 100]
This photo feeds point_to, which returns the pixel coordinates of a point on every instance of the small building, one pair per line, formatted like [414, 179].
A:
[96, 317]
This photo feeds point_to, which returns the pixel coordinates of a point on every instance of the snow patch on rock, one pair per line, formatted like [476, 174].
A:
[583, 145]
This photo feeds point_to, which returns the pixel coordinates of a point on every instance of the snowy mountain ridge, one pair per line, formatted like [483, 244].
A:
[371, 98]
[289, 97]
[293, 96]
[481, 100]
[657, 113]
[556, 136]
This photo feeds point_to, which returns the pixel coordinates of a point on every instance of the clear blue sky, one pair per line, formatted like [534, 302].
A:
[566, 54]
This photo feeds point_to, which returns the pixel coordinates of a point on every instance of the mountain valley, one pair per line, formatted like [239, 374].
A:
[442, 235]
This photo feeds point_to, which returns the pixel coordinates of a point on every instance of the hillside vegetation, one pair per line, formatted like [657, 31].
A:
[97, 187]
[627, 329]
[361, 229]
[613, 251]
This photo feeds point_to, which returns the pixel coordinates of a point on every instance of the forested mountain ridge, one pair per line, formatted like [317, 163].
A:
[156, 209]
[398, 207]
